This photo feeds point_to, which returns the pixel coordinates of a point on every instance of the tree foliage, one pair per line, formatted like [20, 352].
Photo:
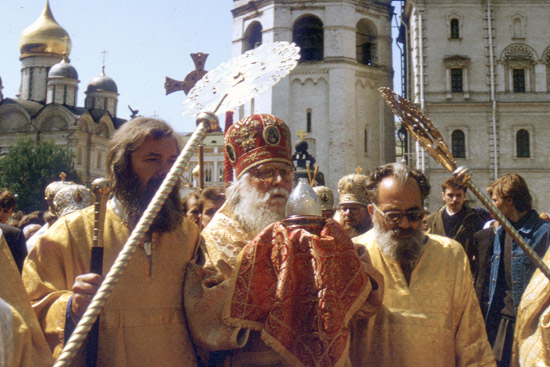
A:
[30, 166]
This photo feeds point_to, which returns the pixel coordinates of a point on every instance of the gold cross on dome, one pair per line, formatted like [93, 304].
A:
[65, 39]
[104, 52]
[358, 170]
[301, 134]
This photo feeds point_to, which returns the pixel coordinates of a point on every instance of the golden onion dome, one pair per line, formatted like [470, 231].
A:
[44, 36]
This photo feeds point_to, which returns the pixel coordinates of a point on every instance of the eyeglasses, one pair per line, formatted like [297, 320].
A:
[269, 173]
[354, 210]
[395, 216]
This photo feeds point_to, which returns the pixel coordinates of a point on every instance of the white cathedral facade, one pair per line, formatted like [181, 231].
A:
[46, 107]
[332, 94]
[481, 72]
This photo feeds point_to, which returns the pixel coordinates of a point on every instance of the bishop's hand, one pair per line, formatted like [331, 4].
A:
[84, 288]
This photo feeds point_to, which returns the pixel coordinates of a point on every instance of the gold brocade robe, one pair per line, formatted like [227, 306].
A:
[532, 333]
[142, 322]
[434, 321]
[224, 239]
[29, 348]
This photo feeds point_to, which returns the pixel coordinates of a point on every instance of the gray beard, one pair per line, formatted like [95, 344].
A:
[250, 207]
[405, 251]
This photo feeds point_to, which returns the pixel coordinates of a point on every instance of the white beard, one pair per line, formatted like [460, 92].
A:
[251, 208]
[406, 251]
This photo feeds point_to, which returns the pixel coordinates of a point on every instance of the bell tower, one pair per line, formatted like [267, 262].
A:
[332, 93]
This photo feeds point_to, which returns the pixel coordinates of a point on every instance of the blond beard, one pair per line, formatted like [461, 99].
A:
[251, 208]
[406, 251]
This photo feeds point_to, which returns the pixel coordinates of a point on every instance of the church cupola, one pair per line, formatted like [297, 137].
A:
[62, 84]
[42, 45]
[102, 94]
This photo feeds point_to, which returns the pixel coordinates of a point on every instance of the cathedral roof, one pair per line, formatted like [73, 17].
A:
[63, 70]
[102, 83]
[44, 36]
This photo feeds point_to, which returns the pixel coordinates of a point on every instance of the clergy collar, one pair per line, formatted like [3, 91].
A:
[118, 208]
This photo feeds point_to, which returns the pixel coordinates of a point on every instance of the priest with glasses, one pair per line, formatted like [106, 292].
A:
[430, 314]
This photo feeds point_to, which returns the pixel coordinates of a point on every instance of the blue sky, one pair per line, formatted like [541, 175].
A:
[145, 41]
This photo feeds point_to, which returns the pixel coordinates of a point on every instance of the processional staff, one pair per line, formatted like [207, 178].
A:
[243, 72]
[101, 188]
[423, 130]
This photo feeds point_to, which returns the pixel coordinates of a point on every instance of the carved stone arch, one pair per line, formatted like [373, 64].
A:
[304, 78]
[366, 83]
[54, 118]
[519, 62]
[15, 119]
[366, 42]
[105, 127]
[252, 37]
[85, 123]
[308, 34]
[519, 52]
[361, 82]
[546, 56]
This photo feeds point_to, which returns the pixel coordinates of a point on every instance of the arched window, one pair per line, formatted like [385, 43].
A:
[455, 28]
[458, 143]
[522, 144]
[252, 37]
[208, 174]
[308, 120]
[308, 35]
[519, 68]
[366, 42]
[518, 29]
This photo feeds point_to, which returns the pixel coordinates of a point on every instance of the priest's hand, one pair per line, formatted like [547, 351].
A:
[84, 288]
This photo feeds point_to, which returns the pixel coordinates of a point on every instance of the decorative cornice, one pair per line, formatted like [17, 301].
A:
[255, 6]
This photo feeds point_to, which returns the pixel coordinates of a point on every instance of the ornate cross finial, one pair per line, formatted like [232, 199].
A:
[65, 39]
[358, 170]
[301, 134]
[172, 85]
[63, 176]
[104, 52]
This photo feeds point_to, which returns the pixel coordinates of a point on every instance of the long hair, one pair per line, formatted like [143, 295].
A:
[124, 181]
[127, 139]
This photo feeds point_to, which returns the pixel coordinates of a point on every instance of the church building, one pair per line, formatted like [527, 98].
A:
[331, 98]
[46, 107]
[480, 70]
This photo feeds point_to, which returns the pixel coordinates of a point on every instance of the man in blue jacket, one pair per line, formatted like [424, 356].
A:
[511, 269]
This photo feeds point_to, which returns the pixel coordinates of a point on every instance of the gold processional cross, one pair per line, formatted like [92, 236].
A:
[172, 85]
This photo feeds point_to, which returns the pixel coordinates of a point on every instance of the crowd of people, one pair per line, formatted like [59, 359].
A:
[224, 278]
